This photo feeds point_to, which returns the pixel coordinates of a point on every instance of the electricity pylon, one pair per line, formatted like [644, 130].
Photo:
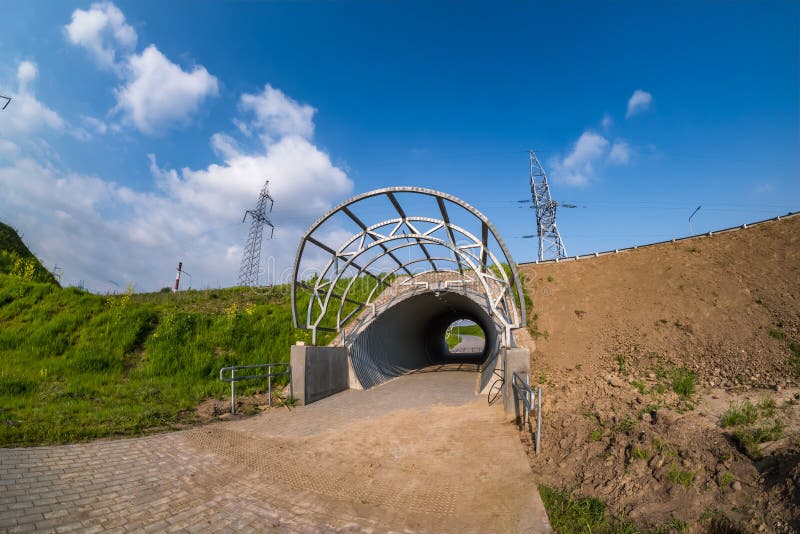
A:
[550, 244]
[251, 259]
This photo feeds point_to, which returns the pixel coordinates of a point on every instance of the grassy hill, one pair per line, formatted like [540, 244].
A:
[16, 258]
[76, 366]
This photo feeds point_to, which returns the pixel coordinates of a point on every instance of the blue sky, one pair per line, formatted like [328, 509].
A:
[139, 132]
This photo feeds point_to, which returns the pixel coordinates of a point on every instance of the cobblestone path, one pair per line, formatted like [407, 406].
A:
[421, 453]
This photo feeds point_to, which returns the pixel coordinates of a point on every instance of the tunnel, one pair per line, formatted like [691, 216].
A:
[410, 336]
[385, 273]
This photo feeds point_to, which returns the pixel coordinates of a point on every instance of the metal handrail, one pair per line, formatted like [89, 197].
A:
[530, 402]
[287, 370]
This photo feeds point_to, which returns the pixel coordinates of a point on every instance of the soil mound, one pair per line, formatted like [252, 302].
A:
[672, 379]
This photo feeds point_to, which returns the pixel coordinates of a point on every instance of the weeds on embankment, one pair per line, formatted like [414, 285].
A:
[76, 366]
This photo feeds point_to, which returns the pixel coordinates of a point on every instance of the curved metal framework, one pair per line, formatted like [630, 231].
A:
[425, 243]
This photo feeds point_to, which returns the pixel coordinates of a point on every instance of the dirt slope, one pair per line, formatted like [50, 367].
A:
[617, 340]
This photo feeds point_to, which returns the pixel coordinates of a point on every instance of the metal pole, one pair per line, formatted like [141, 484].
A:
[233, 391]
[177, 277]
[538, 417]
[269, 386]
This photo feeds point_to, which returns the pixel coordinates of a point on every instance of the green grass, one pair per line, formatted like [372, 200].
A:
[626, 425]
[16, 259]
[684, 382]
[623, 369]
[751, 437]
[767, 406]
[637, 453]
[453, 339]
[76, 366]
[776, 334]
[680, 476]
[471, 330]
[745, 413]
[570, 514]
[726, 479]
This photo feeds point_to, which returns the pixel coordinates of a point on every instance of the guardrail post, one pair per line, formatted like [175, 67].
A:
[269, 387]
[233, 391]
[538, 417]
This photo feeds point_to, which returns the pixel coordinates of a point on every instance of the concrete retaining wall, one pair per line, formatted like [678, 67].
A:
[515, 360]
[318, 372]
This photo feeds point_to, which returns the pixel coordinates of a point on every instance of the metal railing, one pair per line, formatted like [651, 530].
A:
[531, 400]
[233, 378]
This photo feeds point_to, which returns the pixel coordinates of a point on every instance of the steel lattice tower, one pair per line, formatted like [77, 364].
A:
[550, 244]
[251, 259]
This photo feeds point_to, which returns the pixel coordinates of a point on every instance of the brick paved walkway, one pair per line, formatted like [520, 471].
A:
[421, 453]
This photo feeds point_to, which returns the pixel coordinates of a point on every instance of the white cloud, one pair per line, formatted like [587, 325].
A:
[159, 93]
[156, 93]
[8, 149]
[26, 73]
[101, 30]
[277, 115]
[577, 168]
[620, 153]
[94, 124]
[26, 114]
[607, 121]
[638, 102]
[98, 230]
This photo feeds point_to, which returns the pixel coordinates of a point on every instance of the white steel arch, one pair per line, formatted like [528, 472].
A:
[353, 260]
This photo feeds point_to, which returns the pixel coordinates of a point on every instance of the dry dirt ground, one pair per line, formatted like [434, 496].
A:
[615, 336]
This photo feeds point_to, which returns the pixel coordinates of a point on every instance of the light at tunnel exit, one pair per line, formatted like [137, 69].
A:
[464, 337]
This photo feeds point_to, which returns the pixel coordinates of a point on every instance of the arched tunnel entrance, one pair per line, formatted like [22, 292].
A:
[411, 335]
[388, 290]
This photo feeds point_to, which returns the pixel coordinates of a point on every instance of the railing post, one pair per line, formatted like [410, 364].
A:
[269, 386]
[233, 391]
[538, 417]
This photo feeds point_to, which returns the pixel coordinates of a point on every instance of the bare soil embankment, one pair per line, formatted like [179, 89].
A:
[672, 379]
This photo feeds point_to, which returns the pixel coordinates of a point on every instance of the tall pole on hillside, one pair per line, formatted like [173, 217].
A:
[251, 259]
[550, 244]
[177, 277]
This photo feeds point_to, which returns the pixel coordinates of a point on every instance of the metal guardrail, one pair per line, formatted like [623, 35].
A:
[531, 400]
[674, 240]
[232, 378]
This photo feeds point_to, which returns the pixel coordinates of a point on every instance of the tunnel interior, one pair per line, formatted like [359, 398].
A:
[411, 335]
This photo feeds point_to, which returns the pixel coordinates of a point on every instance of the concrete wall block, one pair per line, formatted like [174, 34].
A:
[515, 360]
[318, 372]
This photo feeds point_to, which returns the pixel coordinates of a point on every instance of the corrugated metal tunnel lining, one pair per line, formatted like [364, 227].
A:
[410, 335]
